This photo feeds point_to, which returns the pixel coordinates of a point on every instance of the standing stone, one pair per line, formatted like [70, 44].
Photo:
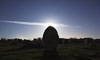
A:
[50, 39]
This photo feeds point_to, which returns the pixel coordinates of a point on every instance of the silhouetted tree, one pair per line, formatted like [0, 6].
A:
[28, 44]
[3, 40]
[88, 40]
[97, 41]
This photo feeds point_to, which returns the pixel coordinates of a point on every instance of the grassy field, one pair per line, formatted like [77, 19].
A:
[65, 51]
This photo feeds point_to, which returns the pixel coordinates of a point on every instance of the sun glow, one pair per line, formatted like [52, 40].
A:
[51, 24]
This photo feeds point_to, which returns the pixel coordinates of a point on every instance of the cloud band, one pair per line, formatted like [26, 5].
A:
[32, 23]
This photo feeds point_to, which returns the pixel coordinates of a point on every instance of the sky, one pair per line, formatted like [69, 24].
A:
[30, 18]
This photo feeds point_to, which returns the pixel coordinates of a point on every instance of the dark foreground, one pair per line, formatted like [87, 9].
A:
[64, 52]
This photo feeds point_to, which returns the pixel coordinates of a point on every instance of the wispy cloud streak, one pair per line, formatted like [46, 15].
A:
[37, 24]
[32, 23]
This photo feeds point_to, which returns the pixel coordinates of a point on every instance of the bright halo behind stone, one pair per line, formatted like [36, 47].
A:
[50, 24]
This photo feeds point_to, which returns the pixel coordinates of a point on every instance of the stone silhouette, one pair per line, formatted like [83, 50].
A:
[50, 41]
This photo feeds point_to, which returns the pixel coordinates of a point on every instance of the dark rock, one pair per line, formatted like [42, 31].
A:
[50, 39]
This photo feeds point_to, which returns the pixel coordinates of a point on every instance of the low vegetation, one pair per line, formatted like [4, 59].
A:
[17, 49]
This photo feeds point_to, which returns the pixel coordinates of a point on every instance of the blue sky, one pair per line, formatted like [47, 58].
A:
[81, 17]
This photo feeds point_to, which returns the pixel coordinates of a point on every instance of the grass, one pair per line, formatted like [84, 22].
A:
[65, 51]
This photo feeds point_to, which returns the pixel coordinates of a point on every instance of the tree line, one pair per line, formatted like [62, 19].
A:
[38, 43]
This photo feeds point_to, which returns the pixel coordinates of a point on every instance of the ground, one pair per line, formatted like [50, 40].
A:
[66, 52]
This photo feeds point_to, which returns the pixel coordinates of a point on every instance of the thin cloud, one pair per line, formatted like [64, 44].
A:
[25, 23]
[37, 24]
